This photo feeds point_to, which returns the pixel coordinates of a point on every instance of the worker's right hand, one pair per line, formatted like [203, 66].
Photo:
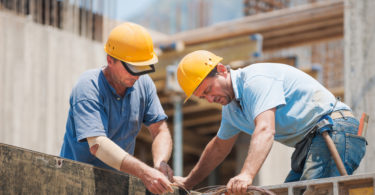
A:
[156, 182]
[165, 169]
[181, 182]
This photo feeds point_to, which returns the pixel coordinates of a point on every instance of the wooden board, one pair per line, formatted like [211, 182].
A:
[27, 172]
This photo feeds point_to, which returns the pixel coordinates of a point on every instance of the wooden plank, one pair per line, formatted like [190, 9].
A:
[89, 19]
[25, 171]
[338, 92]
[304, 28]
[28, 172]
[211, 129]
[193, 108]
[327, 185]
[47, 12]
[304, 38]
[32, 12]
[261, 23]
[54, 13]
[201, 120]
[188, 148]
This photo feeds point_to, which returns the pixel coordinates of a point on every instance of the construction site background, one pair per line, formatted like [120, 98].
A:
[43, 51]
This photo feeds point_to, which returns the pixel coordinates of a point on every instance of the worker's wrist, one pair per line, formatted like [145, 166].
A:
[158, 163]
[189, 184]
[124, 164]
[247, 172]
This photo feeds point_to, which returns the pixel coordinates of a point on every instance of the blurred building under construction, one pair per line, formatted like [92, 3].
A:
[252, 7]
[47, 44]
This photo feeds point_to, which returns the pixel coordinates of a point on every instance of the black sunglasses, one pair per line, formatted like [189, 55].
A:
[128, 68]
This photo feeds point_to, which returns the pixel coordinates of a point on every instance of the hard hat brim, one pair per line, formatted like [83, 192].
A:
[153, 60]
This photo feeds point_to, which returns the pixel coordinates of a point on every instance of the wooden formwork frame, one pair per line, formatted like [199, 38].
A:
[362, 184]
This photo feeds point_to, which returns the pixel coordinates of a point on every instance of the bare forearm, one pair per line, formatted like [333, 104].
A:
[203, 168]
[154, 180]
[260, 146]
[211, 157]
[162, 142]
[134, 166]
[162, 147]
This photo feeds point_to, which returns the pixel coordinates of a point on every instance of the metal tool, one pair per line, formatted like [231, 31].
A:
[363, 125]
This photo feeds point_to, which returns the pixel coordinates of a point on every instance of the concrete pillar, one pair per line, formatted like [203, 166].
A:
[360, 68]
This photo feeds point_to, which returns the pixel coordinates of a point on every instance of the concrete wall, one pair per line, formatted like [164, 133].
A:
[360, 68]
[276, 166]
[38, 67]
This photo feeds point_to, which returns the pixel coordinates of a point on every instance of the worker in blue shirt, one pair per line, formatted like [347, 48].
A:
[109, 105]
[270, 102]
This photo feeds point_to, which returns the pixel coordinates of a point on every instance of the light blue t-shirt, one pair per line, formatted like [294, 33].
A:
[299, 100]
[96, 110]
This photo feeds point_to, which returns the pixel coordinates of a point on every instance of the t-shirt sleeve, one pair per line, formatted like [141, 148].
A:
[262, 93]
[154, 111]
[226, 130]
[90, 119]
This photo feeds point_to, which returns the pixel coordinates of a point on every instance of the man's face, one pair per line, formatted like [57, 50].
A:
[215, 89]
[123, 77]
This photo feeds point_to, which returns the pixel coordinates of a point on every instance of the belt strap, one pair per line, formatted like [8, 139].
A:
[341, 114]
[324, 124]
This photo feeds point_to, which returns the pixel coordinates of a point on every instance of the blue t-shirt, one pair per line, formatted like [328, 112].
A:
[96, 110]
[299, 100]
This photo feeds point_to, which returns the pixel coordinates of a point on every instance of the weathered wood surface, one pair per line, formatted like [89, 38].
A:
[24, 171]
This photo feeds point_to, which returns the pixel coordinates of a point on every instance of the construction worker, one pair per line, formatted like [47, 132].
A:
[108, 106]
[270, 102]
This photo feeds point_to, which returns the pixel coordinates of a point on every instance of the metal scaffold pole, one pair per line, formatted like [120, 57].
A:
[175, 91]
[177, 126]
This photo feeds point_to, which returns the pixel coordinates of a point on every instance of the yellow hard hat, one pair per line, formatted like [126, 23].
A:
[193, 68]
[131, 43]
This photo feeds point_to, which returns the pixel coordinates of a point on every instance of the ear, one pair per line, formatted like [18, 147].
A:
[221, 69]
[110, 60]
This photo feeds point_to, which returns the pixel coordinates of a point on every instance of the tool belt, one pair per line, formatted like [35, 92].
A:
[302, 148]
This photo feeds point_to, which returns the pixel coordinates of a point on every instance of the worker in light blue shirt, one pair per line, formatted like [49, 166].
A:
[269, 101]
[109, 105]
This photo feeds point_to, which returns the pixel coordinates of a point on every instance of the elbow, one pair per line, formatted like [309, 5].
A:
[94, 149]
[267, 131]
[93, 145]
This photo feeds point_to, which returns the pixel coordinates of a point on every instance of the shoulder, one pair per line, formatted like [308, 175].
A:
[145, 83]
[145, 79]
[255, 74]
[89, 77]
[87, 86]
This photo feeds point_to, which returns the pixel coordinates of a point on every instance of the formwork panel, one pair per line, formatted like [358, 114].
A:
[27, 172]
[316, 189]
[344, 185]
[357, 186]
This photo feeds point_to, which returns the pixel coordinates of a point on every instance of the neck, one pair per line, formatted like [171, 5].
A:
[230, 87]
[108, 74]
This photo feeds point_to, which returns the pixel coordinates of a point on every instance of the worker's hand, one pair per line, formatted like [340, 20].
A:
[156, 182]
[181, 182]
[239, 184]
[165, 169]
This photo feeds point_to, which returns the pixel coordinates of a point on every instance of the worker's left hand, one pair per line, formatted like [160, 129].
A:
[165, 169]
[239, 184]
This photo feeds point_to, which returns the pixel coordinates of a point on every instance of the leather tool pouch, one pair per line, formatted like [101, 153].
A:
[300, 153]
